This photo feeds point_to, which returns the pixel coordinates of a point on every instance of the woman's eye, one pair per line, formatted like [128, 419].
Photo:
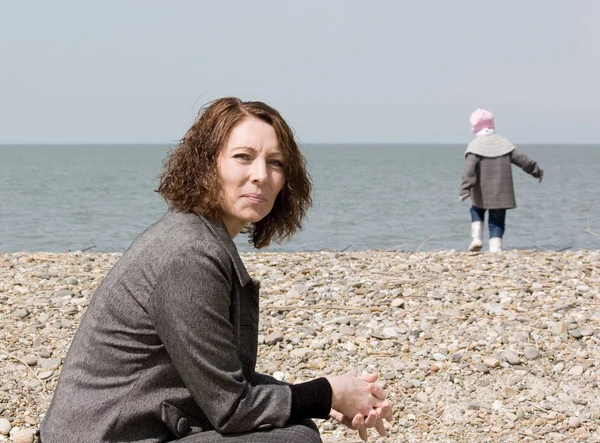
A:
[276, 163]
[242, 156]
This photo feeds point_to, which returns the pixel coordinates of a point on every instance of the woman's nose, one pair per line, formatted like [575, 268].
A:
[259, 171]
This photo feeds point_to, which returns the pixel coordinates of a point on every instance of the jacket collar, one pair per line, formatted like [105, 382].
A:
[219, 230]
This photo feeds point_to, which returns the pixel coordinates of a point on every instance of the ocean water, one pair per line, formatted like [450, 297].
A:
[404, 197]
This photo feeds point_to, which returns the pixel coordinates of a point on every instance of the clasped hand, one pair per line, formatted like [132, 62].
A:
[360, 403]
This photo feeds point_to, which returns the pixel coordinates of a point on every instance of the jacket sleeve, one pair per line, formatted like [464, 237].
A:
[190, 310]
[264, 379]
[469, 178]
[310, 399]
[526, 164]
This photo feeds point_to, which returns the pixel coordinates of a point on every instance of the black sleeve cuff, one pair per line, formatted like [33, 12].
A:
[311, 399]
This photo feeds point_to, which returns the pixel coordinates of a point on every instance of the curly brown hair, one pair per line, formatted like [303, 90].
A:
[190, 180]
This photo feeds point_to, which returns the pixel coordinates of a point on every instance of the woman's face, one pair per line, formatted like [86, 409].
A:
[252, 174]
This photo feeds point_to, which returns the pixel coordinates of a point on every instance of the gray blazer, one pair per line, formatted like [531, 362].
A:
[489, 182]
[168, 345]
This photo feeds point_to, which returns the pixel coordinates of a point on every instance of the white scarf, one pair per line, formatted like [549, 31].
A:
[485, 131]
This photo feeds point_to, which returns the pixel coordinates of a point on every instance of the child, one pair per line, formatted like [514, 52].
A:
[487, 179]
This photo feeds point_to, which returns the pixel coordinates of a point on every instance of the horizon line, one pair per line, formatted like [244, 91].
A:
[301, 143]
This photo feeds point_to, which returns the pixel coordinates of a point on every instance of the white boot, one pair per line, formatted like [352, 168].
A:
[495, 244]
[476, 236]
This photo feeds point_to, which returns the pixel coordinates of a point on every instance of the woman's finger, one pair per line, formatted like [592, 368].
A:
[363, 434]
[336, 415]
[341, 418]
[353, 423]
[377, 391]
[380, 428]
[385, 411]
[348, 423]
[358, 422]
[370, 377]
[371, 419]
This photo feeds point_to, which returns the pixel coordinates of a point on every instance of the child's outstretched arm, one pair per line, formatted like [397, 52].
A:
[469, 178]
[526, 164]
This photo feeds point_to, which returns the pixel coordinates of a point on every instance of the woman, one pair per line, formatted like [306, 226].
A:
[487, 179]
[167, 348]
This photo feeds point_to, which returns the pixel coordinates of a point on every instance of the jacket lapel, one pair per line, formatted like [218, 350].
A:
[218, 229]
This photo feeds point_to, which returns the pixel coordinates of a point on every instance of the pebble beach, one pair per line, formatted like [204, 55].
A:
[471, 347]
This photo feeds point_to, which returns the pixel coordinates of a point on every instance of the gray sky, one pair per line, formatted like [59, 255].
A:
[339, 71]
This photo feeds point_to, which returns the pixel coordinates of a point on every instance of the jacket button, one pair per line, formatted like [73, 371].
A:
[183, 426]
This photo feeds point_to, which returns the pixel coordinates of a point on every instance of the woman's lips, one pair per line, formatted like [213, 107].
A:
[255, 198]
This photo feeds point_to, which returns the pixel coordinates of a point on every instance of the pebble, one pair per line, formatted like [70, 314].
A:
[22, 436]
[491, 362]
[564, 397]
[397, 303]
[531, 352]
[317, 344]
[46, 374]
[520, 414]
[351, 348]
[422, 397]
[511, 357]
[301, 352]
[466, 344]
[576, 370]
[273, 338]
[51, 363]
[30, 361]
[21, 313]
[5, 426]
[576, 333]
[546, 405]
[482, 368]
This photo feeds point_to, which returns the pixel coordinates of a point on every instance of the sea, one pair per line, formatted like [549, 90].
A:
[59, 198]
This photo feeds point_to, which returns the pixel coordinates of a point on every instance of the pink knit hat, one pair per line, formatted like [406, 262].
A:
[481, 119]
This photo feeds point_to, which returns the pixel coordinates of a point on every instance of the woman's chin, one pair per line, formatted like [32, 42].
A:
[254, 218]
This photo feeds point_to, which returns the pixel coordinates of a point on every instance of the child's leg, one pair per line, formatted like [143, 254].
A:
[477, 214]
[477, 218]
[497, 224]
